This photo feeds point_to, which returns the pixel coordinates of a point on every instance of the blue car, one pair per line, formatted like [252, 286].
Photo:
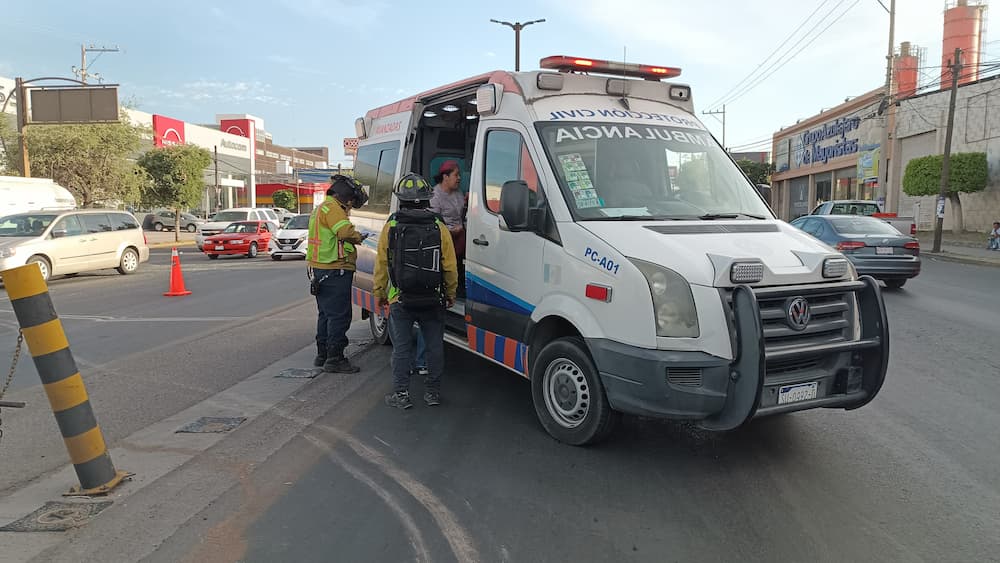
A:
[875, 247]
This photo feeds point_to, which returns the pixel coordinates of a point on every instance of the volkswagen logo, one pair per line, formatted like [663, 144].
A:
[797, 313]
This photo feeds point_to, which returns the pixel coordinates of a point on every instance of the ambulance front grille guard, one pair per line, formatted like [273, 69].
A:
[833, 318]
[865, 337]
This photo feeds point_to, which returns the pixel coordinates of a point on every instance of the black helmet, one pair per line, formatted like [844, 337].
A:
[347, 190]
[413, 188]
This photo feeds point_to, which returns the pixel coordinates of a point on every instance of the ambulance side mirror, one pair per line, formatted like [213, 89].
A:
[514, 205]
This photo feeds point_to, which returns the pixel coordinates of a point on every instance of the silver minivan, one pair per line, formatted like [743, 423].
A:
[72, 241]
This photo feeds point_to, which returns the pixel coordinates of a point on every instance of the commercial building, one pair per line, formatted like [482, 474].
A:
[832, 155]
[836, 153]
[244, 156]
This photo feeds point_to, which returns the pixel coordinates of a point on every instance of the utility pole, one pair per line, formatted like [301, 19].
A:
[723, 112]
[883, 160]
[517, 27]
[82, 72]
[22, 125]
[218, 188]
[956, 67]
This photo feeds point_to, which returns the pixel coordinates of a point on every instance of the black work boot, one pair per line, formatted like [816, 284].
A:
[320, 358]
[339, 364]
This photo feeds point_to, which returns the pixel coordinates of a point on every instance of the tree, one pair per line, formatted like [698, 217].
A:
[969, 173]
[286, 199]
[693, 174]
[758, 172]
[176, 178]
[91, 161]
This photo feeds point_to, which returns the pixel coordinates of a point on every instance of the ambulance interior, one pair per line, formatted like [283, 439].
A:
[447, 131]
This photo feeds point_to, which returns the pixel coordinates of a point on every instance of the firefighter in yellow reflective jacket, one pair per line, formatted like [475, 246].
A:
[417, 274]
[331, 256]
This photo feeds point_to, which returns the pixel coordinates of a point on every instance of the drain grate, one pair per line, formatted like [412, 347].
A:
[210, 424]
[57, 517]
[300, 373]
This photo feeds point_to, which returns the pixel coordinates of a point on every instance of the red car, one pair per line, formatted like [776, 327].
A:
[242, 237]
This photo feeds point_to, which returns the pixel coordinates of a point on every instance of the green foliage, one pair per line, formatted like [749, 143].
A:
[91, 161]
[758, 172]
[285, 199]
[176, 176]
[969, 173]
[693, 173]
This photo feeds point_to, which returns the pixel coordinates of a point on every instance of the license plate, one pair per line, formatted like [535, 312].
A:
[883, 250]
[220, 247]
[796, 393]
[287, 247]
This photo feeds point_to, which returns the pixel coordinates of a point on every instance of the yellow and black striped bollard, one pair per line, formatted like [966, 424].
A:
[43, 332]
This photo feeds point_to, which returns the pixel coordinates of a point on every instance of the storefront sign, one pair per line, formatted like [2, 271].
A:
[814, 144]
[167, 131]
[868, 165]
[225, 143]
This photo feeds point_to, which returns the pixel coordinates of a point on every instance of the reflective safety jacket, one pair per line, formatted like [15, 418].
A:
[331, 237]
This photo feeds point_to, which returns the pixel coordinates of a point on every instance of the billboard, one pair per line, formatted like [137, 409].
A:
[167, 131]
[350, 146]
[868, 165]
[73, 104]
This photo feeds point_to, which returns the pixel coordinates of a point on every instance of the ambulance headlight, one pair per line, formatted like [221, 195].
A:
[673, 302]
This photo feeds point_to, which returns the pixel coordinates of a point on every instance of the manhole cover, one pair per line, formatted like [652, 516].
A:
[208, 424]
[300, 373]
[57, 517]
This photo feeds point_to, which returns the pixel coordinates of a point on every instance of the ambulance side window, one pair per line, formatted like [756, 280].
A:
[375, 167]
[507, 158]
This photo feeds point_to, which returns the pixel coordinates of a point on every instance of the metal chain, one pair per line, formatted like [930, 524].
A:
[10, 375]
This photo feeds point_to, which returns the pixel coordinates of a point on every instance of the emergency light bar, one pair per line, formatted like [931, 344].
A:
[569, 64]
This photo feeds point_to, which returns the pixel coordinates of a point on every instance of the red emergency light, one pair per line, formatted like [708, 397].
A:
[570, 64]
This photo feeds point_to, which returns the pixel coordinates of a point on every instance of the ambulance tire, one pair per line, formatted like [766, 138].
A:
[568, 395]
[380, 328]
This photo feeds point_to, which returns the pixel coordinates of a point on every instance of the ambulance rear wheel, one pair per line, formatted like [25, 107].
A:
[568, 395]
[380, 327]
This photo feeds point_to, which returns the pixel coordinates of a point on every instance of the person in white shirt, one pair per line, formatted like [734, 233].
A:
[994, 239]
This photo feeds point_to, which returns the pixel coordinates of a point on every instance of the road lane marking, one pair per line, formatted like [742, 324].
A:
[111, 319]
[412, 530]
[460, 541]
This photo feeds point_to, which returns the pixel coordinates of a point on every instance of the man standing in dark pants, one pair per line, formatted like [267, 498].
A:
[331, 255]
[416, 273]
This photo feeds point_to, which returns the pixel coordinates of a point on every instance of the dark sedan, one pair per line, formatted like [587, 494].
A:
[875, 247]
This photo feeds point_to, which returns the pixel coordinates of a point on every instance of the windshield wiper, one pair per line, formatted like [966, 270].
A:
[713, 216]
[634, 218]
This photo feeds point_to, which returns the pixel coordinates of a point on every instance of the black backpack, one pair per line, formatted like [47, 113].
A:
[415, 259]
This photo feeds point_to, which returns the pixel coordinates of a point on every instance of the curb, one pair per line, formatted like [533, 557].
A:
[156, 450]
[961, 259]
[183, 243]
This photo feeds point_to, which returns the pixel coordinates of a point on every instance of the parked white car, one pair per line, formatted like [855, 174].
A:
[224, 218]
[290, 242]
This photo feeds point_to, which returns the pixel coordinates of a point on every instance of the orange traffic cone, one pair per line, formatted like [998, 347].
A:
[176, 277]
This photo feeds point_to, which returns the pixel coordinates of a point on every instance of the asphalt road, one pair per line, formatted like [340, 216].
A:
[911, 477]
[145, 356]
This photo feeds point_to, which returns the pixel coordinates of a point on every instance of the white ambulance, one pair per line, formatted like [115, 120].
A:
[618, 258]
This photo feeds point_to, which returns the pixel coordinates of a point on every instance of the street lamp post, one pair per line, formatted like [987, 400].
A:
[517, 27]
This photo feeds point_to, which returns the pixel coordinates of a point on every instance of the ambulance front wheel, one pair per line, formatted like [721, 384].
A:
[568, 395]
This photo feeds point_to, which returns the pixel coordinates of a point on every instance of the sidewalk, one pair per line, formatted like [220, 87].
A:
[165, 239]
[969, 248]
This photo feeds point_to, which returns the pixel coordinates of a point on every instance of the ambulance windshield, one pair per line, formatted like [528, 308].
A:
[627, 171]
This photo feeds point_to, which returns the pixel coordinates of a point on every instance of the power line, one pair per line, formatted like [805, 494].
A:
[776, 49]
[792, 52]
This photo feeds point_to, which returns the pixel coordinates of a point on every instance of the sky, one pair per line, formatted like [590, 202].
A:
[309, 68]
